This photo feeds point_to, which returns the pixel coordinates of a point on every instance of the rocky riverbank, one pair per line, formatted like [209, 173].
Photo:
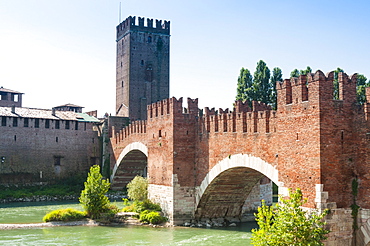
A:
[122, 218]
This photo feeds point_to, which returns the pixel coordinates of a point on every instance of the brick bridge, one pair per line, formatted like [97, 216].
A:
[205, 163]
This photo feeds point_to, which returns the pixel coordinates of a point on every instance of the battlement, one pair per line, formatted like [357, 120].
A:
[315, 87]
[172, 106]
[242, 120]
[130, 25]
[136, 127]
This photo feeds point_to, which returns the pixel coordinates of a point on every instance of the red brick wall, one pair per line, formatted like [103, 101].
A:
[311, 138]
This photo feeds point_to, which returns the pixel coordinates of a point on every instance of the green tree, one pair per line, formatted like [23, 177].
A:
[244, 89]
[286, 224]
[137, 189]
[336, 83]
[261, 83]
[277, 75]
[93, 197]
[362, 83]
[306, 71]
[295, 73]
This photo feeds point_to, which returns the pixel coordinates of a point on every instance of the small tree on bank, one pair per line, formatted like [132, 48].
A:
[137, 189]
[286, 224]
[93, 197]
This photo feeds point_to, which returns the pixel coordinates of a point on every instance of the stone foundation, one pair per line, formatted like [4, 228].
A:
[163, 195]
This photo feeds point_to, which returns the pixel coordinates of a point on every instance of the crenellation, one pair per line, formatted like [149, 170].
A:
[129, 24]
[241, 106]
[193, 106]
[299, 89]
[347, 87]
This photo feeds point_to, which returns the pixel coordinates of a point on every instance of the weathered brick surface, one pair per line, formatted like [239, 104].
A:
[30, 153]
[142, 65]
[311, 140]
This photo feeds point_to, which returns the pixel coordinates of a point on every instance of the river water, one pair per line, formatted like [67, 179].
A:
[108, 235]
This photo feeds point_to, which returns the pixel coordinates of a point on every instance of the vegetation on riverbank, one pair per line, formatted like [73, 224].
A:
[93, 199]
[62, 187]
[68, 214]
[148, 212]
[286, 223]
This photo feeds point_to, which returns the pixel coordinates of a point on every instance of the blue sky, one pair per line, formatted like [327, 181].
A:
[63, 51]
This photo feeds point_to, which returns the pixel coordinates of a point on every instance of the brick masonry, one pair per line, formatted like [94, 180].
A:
[311, 142]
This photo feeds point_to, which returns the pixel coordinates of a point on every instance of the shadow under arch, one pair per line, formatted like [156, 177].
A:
[226, 187]
[131, 162]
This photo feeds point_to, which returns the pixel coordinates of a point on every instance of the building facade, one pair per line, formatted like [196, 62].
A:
[41, 145]
[142, 66]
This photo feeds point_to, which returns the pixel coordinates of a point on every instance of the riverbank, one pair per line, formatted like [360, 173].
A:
[48, 224]
[116, 196]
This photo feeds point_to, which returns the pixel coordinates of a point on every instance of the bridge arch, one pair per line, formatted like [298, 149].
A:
[134, 152]
[245, 170]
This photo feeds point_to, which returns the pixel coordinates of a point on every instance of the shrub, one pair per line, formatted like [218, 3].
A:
[107, 215]
[139, 207]
[93, 197]
[137, 189]
[287, 224]
[68, 214]
[152, 217]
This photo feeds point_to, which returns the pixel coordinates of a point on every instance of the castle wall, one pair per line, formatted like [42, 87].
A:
[315, 143]
[43, 154]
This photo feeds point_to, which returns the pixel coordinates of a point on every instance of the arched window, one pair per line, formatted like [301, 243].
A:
[149, 39]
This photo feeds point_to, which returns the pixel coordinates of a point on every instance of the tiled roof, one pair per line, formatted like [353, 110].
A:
[69, 105]
[2, 89]
[46, 114]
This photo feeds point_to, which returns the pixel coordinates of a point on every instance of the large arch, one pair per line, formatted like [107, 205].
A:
[136, 155]
[214, 191]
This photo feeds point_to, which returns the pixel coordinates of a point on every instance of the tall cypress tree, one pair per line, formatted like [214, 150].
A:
[261, 83]
[361, 88]
[277, 75]
[244, 89]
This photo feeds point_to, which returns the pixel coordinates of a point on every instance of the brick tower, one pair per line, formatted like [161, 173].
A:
[143, 62]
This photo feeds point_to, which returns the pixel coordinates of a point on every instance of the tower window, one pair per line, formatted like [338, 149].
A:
[25, 122]
[149, 39]
[57, 124]
[142, 63]
[3, 120]
[47, 123]
[15, 122]
[37, 123]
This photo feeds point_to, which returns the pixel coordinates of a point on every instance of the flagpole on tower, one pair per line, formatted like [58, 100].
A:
[119, 12]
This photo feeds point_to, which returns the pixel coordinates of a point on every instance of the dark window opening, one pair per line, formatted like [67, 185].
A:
[15, 137]
[57, 124]
[56, 139]
[149, 39]
[160, 133]
[26, 122]
[85, 126]
[47, 123]
[3, 120]
[142, 63]
[76, 125]
[37, 123]
[67, 124]
[93, 140]
[122, 84]
[57, 160]
[15, 122]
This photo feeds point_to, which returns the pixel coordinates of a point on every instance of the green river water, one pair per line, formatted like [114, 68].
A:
[108, 235]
